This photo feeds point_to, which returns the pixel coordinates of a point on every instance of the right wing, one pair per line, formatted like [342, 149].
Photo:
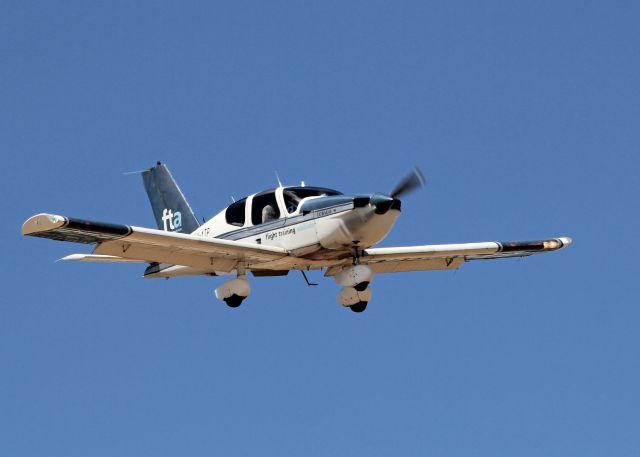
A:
[119, 243]
[449, 256]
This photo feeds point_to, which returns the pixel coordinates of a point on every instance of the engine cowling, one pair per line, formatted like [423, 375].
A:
[358, 276]
[349, 296]
[236, 286]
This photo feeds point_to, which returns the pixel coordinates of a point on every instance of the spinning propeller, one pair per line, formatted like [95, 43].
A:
[382, 203]
[409, 183]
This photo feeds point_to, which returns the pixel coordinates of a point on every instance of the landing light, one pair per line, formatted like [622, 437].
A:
[552, 244]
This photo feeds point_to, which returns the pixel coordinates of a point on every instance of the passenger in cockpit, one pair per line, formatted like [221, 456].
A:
[268, 213]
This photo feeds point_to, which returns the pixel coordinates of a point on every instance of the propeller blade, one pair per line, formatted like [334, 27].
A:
[409, 183]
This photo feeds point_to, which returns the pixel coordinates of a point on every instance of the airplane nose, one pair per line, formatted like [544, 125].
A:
[382, 203]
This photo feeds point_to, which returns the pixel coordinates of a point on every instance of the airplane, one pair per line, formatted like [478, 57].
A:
[271, 233]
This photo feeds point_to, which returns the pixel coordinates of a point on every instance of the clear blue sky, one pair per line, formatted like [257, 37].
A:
[523, 115]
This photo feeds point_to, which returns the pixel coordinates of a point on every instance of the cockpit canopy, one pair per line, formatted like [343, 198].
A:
[272, 204]
[294, 195]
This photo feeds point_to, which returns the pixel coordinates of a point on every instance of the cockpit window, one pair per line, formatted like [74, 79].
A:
[264, 208]
[294, 195]
[235, 213]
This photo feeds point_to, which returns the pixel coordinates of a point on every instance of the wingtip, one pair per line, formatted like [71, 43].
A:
[42, 222]
[566, 241]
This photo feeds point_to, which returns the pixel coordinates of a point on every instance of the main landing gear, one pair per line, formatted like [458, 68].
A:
[234, 291]
[355, 293]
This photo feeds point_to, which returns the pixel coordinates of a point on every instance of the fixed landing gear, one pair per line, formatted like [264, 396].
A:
[233, 291]
[355, 293]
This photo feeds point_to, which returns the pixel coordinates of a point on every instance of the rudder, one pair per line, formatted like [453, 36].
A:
[170, 208]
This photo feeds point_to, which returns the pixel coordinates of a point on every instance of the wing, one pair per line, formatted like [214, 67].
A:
[450, 256]
[121, 243]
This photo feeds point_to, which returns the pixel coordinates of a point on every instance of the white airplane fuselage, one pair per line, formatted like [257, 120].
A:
[334, 229]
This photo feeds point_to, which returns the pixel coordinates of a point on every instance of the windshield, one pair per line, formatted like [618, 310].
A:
[294, 195]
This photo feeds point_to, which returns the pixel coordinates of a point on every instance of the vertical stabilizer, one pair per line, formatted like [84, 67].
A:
[170, 208]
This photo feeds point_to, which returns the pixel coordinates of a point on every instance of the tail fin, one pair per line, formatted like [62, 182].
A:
[170, 208]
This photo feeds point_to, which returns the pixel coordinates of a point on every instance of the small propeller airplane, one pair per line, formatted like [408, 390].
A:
[271, 233]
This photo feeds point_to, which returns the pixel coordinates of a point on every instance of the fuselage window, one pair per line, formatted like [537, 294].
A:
[235, 213]
[264, 208]
[294, 195]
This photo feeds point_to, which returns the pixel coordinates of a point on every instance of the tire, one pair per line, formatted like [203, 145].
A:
[234, 301]
[358, 307]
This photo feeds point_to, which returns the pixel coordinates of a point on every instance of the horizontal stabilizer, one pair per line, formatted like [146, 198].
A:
[99, 258]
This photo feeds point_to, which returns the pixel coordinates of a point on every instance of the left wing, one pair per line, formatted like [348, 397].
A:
[119, 243]
[449, 256]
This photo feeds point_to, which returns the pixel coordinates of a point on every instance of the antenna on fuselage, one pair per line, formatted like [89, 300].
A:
[139, 172]
[278, 178]
[232, 198]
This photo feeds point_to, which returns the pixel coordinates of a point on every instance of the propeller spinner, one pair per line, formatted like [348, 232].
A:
[382, 203]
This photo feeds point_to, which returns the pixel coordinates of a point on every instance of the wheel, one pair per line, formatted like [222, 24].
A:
[234, 301]
[362, 286]
[358, 307]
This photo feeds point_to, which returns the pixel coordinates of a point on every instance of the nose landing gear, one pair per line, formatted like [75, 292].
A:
[355, 293]
[355, 300]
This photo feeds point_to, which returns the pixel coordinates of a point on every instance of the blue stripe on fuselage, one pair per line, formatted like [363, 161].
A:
[286, 222]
